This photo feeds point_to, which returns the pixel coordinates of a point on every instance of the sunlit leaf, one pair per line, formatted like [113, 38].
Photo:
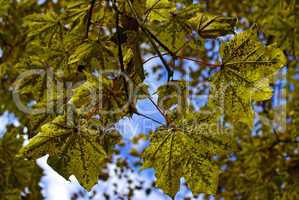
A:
[73, 148]
[185, 150]
[244, 77]
[212, 26]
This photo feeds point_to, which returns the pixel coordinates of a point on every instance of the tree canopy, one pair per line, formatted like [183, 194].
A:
[71, 70]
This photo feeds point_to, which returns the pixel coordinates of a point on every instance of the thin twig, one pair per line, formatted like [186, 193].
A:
[147, 117]
[201, 62]
[89, 16]
[156, 56]
[159, 109]
[185, 58]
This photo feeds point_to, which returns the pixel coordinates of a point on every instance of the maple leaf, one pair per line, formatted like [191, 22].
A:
[73, 149]
[102, 96]
[48, 25]
[212, 26]
[159, 10]
[185, 150]
[247, 66]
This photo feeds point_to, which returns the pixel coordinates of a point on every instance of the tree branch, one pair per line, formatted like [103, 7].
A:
[145, 31]
[89, 16]
[147, 117]
[153, 40]
[159, 42]
[120, 54]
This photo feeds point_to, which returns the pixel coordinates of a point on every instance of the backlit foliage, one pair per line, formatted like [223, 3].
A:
[71, 70]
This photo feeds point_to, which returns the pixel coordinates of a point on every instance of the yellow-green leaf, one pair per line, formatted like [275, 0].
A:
[212, 26]
[159, 10]
[73, 147]
[47, 25]
[184, 150]
[247, 67]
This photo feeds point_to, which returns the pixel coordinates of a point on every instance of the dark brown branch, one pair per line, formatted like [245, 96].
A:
[153, 57]
[119, 42]
[89, 16]
[168, 69]
[153, 40]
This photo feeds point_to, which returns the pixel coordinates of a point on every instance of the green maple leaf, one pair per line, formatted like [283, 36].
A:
[212, 26]
[92, 50]
[185, 150]
[76, 9]
[83, 51]
[47, 25]
[247, 66]
[99, 95]
[159, 10]
[73, 149]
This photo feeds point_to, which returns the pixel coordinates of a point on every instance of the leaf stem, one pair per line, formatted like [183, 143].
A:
[186, 58]
[201, 62]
